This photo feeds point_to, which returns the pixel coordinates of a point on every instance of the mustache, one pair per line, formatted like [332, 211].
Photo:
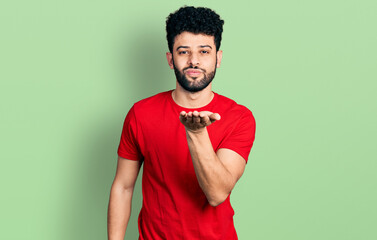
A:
[194, 68]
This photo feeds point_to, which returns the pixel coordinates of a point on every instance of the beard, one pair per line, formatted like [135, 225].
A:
[195, 85]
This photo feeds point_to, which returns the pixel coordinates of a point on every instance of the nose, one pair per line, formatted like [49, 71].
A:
[194, 59]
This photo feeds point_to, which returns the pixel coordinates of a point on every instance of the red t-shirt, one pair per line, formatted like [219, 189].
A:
[174, 205]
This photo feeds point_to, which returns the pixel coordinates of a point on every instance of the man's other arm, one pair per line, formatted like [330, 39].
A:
[217, 173]
[121, 197]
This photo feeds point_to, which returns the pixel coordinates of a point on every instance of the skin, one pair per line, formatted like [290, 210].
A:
[195, 50]
[119, 209]
[217, 172]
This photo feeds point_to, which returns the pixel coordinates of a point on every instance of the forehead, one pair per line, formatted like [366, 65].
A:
[193, 40]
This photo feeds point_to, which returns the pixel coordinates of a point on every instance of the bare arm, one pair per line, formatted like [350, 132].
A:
[217, 173]
[120, 198]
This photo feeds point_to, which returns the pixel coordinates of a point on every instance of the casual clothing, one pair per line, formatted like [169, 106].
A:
[174, 205]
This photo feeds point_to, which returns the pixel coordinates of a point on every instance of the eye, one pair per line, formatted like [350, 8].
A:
[182, 52]
[204, 51]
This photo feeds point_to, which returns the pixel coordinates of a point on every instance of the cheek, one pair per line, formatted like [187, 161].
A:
[180, 63]
[211, 64]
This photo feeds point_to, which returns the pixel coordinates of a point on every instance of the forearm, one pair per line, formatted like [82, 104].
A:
[119, 212]
[214, 179]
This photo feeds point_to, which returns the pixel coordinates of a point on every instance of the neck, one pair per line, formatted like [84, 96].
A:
[188, 99]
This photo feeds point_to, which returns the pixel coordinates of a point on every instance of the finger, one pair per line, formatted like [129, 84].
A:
[183, 116]
[205, 120]
[205, 113]
[195, 117]
[189, 117]
[214, 117]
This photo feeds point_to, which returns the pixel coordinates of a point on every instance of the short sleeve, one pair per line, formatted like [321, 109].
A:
[241, 137]
[128, 146]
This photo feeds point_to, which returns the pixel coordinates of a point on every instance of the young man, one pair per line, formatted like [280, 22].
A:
[194, 143]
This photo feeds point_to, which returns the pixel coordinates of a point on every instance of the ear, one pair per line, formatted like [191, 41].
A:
[169, 57]
[219, 56]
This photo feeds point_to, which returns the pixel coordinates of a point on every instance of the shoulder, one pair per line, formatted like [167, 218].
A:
[231, 107]
[155, 99]
[152, 103]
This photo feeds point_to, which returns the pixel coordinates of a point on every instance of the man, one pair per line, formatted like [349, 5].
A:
[194, 143]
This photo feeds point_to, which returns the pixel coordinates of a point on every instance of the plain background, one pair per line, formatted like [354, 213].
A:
[70, 71]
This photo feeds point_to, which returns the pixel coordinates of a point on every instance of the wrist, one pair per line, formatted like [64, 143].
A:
[198, 131]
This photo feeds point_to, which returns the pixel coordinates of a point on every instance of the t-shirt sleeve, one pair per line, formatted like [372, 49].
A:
[128, 146]
[241, 137]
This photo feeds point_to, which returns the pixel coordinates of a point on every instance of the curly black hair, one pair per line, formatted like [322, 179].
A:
[194, 20]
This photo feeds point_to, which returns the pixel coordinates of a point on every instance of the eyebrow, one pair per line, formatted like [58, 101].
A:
[201, 46]
[182, 47]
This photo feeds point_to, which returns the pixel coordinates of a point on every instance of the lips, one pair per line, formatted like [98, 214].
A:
[193, 72]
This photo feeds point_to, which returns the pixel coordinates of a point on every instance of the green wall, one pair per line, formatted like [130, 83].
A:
[70, 70]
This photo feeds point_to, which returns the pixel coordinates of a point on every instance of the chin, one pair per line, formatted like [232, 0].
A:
[195, 78]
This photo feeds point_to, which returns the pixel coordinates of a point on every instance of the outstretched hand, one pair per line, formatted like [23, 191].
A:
[197, 121]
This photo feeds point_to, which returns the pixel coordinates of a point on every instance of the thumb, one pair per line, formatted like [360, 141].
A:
[214, 117]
